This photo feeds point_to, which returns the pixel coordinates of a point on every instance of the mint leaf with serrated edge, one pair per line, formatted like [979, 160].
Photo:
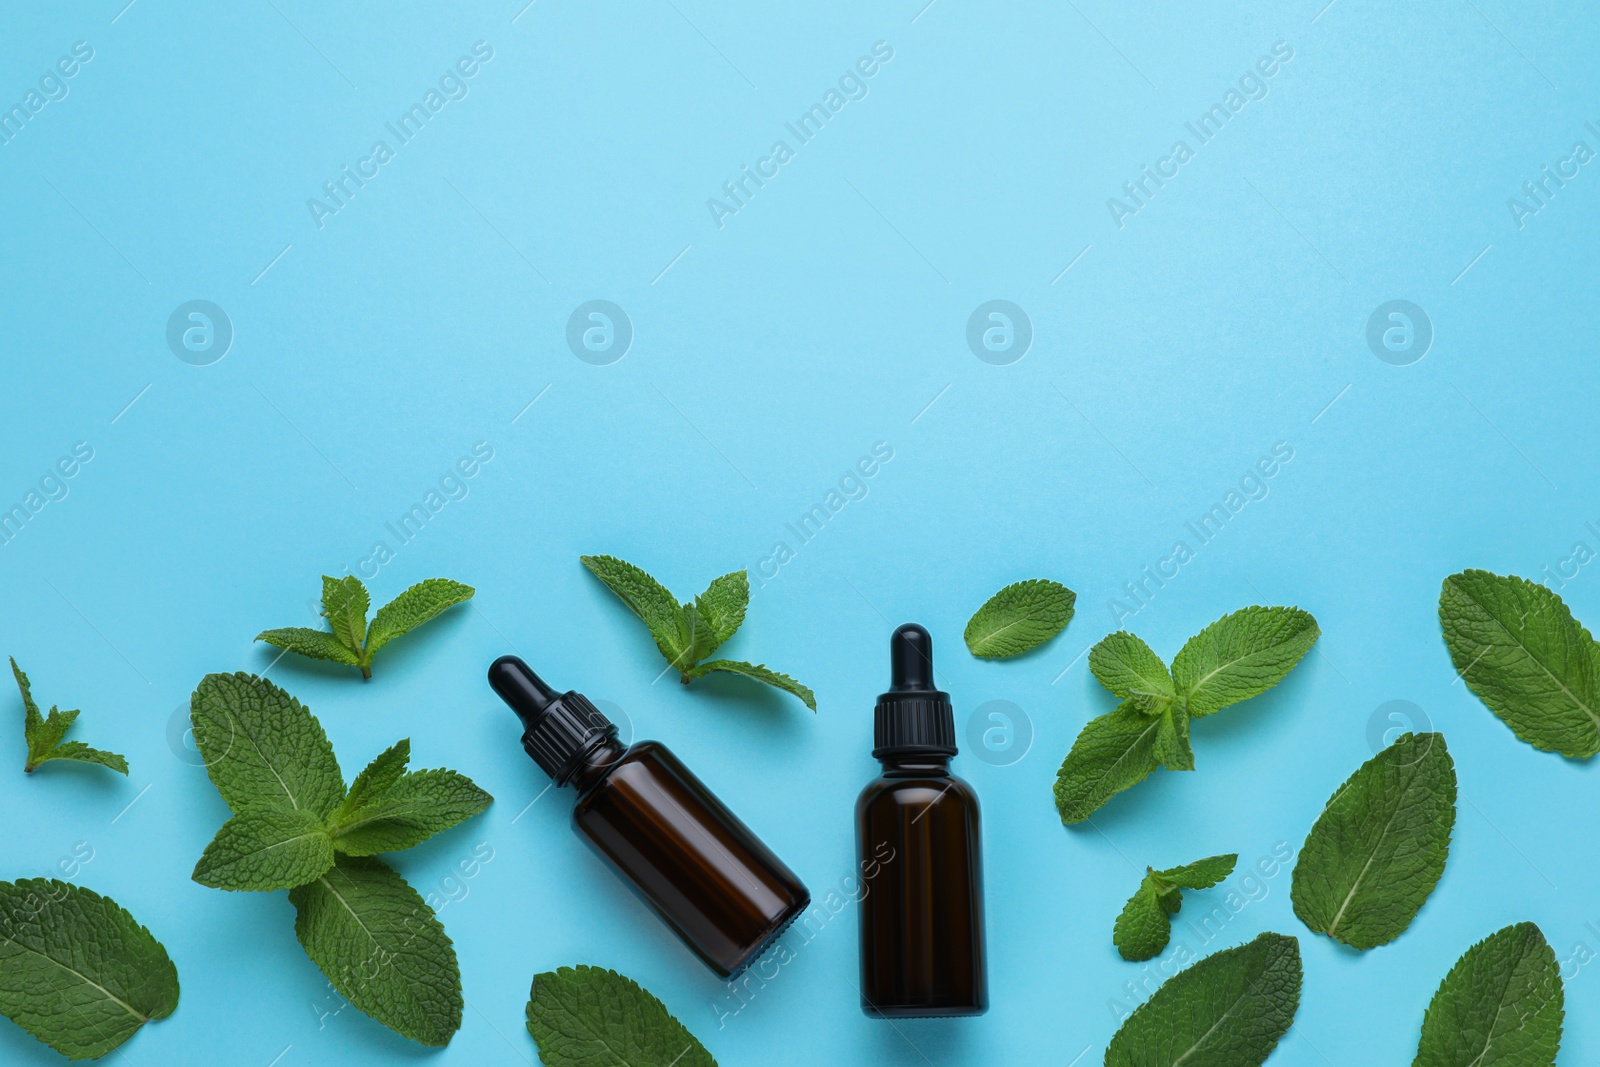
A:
[353, 641]
[1112, 753]
[1239, 656]
[1501, 1005]
[344, 605]
[1128, 667]
[262, 849]
[262, 747]
[386, 768]
[380, 945]
[1143, 929]
[1517, 647]
[76, 970]
[1019, 618]
[761, 673]
[1378, 849]
[591, 1017]
[687, 633]
[408, 812]
[1229, 1009]
[45, 734]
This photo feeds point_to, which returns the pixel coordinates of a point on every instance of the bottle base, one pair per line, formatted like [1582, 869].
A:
[922, 1011]
[765, 941]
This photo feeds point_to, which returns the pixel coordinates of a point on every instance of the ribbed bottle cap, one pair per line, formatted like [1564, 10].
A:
[913, 717]
[559, 729]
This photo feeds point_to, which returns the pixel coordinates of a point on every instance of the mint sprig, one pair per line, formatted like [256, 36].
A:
[1227, 1010]
[1019, 618]
[1379, 847]
[687, 633]
[352, 640]
[591, 1017]
[1501, 1005]
[1144, 927]
[76, 970]
[295, 826]
[1518, 648]
[1239, 656]
[45, 736]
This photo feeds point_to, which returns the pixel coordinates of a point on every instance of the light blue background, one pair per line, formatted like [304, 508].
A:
[1227, 315]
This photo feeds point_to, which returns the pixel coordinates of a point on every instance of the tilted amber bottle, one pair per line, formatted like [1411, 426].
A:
[917, 839]
[657, 826]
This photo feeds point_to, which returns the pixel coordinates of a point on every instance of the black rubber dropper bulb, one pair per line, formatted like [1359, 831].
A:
[525, 692]
[910, 659]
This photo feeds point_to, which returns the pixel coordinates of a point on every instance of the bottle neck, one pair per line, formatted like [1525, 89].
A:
[595, 764]
[915, 765]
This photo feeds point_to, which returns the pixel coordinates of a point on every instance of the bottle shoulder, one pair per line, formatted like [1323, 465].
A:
[931, 791]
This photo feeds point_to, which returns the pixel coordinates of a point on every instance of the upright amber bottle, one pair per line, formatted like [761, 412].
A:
[656, 825]
[922, 951]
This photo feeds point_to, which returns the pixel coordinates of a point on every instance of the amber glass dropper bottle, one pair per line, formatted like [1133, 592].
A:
[656, 825]
[922, 951]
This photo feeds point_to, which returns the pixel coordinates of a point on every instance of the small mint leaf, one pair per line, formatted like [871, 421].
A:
[1020, 618]
[419, 604]
[384, 771]
[761, 674]
[44, 736]
[1128, 667]
[344, 605]
[721, 607]
[1241, 655]
[262, 849]
[1113, 752]
[648, 599]
[409, 811]
[316, 644]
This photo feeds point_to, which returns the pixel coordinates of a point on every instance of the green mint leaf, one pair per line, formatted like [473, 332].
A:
[1201, 874]
[649, 600]
[760, 673]
[386, 768]
[721, 608]
[1143, 928]
[695, 634]
[82, 753]
[1519, 649]
[262, 747]
[44, 736]
[1113, 752]
[1501, 1005]
[382, 947]
[1019, 618]
[1172, 748]
[76, 970]
[1241, 655]
[344, 605]
[1227, 1010]
[1128, 667]
[316, 644]
[424, 601]
[408, 812]
[1378, 849]
[591, 1017]
[261, 849]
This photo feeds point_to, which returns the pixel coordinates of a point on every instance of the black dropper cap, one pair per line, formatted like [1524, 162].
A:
[913, 718]
[559, 728]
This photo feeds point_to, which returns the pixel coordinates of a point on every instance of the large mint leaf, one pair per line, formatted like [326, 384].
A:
[1241, 655]
[1500, 1005]
[383, 949]
[1227, 1010]
[262, 849]
[590, 1017]
[1519, 649]
[76, 970]
[1112, 753]
[262, 747]
[1378, 849]
[1019, 618]
[649, 600]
